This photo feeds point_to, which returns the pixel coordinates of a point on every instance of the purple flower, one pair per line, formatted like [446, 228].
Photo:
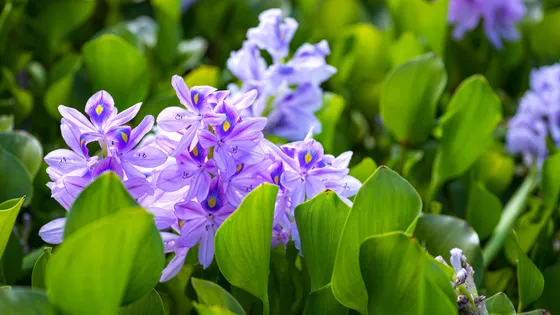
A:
[202, 219]
[235, 140]
[189, 122]
[272, 34]
[170, 245]
[499, 18]
[241, 180]
[537, 117]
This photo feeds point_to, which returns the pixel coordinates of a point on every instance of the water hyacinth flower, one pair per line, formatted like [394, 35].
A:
[72, 170]
[289, 91]
[464, 277]
[500, 18]
[537, 117]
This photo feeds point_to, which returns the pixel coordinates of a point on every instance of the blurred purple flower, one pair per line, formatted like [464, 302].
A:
[499, 18]
[273, 34]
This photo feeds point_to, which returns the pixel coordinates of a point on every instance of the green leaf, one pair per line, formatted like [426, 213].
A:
[530, 281]
[484, 209]
[363, 170]
[118, 67]
[537, 312]
[320, 222]
[405, 48]
[441, 233]
[58, 18]
[322, 301]
[243, 243]
[497, 281]
[40, 269]
[401, 278]
[24, 301]
[385, 203]
[105, 196]
[203, 75]
[25, 147]
[329, 115]
[542, 35]
[409, 98]
[549, 184]
[467, 126]
[150, 304]
[23, 104]
[6, 123]
[169, 30]
[62, 83]
[14, 179]
[93, 271]
[500, 304]
[11, 262]
[202, 309]
[8, 214]
[211, 294]
[549, 298]
[495, 170]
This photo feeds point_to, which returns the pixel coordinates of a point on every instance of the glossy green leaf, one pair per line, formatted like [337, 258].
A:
[25, 147]
[150, 304]
[11, 261]
[484, 209]
[211, 294]
[58, 18]
[202, 309]
[203, 75]
[105, 196]
[409, 98]
[441, 233]
[6, 123]
[549, 182]
[322, 301]
[549, 298]
[40, 269]
[495, 170]
[385, 203]
[405, 48]
[329, 115]
[363, 170]
[497, 281]
[118, 67]
[530, 281]
[500, 304]
[16, 301]
[242, 243]
[401, 278]
[320, 222]
[93, 270]
[8, 213]
[467, 126]
[169, 31]
[62, 84]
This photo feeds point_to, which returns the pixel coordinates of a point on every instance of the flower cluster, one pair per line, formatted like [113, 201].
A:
[499, 18]
[464, 284]
[289, 91]
[537, 117]
[203, 159]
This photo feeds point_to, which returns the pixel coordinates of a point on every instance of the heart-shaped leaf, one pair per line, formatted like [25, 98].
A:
[401, 278]
[409, 98]
[15, 180]
[385, 203]
[25, 147]
[500, 304]
[243, 243]
[93, 270]
[211, 294]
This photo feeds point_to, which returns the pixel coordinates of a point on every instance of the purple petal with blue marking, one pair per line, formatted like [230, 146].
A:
[100, 108]
[120, 136]
[183, 92]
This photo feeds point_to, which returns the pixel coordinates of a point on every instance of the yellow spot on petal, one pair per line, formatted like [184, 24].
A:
[124, 136]
[82, 142]
[239, 166]
[181, 223]
[308, 158]
[195, 98]
[99, 109]
[276, 179]
[212, 202]
[226, 126]
[195, 151]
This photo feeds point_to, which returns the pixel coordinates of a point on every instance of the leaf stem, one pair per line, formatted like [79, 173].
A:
[513, 208]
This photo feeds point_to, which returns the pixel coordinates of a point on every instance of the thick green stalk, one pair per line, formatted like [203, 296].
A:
[513, 208]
